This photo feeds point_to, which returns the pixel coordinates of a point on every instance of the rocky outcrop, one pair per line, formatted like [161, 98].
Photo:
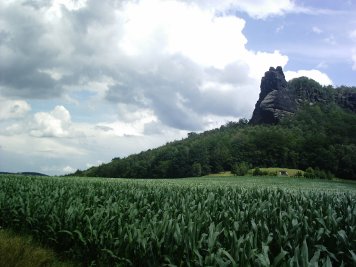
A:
[346, 100]
[278, 98]
[275, 101]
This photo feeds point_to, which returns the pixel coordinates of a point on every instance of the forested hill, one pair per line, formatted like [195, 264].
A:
[317, 134]
[279, 98]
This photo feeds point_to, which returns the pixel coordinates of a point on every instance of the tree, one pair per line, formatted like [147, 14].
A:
[196, 169]
[240, 169]
[309, 173]
[257, 172]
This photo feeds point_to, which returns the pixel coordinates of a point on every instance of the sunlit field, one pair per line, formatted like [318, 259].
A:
[206, 221]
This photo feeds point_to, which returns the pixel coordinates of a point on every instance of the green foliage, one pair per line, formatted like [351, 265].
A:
[191, 222]
[240, 169]
[299, 174]
[259, 172]
[21, 250]
[310, 90]
[317, 173]
[309, 173]
[196, 169]
[319, 136]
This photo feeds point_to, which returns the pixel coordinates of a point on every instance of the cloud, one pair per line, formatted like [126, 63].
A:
[138, 73]
[316, 75]
[259, 9]
[153, 25]
[53, 124]
[316, 30]
[352, 35]
[57, 169]
[68, 169]
[330, 39]
[279, 28]
[203, 51]
[322, 65]
[23, 50]
[12, 109]
[354, 59]
[135, 53]
[50, 47]
[262, 9]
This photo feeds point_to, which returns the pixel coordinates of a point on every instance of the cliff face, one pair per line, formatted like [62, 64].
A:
[275, 100]
[278, 98]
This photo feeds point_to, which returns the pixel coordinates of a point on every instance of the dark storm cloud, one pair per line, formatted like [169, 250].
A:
[163, 90]
[30, 45]
[23, 55]
[27, 83]
[172, 91]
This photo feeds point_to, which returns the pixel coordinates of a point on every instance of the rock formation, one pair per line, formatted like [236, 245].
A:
[278, 98]
[275, 100]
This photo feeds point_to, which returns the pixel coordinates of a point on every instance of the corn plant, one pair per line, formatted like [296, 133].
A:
[163, 223]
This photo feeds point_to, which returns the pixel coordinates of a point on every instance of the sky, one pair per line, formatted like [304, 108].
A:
[85, 81]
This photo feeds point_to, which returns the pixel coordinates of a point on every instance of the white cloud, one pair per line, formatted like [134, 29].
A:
[322, 65]
[68, 169]
[135, 127]
[159, 68]
[279, 28]
[316, 75]
[354, 59]
[260, 62]
[262, 9]
[53, 124]
[170, 61]
[330, 39]
[138, 53]
[258, 9]
[30, 146]
[201, 36]
[352, 35]
[316, 30]
[11, 109]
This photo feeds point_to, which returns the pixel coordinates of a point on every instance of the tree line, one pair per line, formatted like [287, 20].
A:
[319, 136]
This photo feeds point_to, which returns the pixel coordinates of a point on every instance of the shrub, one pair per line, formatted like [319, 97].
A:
[257, 172]
[309, 173]
[240, 169]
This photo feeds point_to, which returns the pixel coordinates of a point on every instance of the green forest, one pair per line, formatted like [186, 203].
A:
[320, 138]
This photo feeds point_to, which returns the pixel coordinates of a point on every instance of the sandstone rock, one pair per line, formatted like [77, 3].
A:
[278, 99]
[275, 100]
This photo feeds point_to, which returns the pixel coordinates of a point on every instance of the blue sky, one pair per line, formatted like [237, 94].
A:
[320, 39]
[84, 81]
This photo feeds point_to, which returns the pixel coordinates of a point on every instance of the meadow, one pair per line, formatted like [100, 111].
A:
[205, 221]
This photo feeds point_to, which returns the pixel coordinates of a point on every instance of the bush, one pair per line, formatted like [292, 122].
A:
[240, 169]
[317, 173]
[258, 172]
[309, 173]
[299, 174]
[196, 169]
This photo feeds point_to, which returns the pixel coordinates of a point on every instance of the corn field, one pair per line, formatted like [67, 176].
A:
[157, 223]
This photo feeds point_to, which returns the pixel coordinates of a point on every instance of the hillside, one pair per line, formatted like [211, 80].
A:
[315, 129]
[279, 98]
[25, 173]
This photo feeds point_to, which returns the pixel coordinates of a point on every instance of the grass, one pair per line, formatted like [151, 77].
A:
[291, 172]
[271, 171]
[23, 251]
[227, 173]
[251, 182]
